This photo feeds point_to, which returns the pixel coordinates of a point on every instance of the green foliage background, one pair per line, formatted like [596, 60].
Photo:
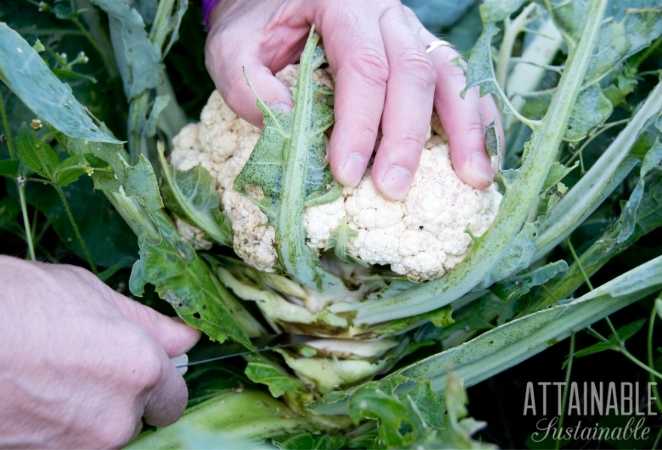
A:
[69, 221]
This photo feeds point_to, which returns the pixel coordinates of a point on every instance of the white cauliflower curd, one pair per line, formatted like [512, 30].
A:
[421, 237]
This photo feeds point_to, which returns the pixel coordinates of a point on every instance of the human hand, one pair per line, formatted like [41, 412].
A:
[82, 364]
[383, 77]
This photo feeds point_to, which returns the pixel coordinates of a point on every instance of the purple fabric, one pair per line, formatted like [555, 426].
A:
[207, 8]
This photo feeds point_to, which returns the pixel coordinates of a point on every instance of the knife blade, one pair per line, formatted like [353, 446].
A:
[262, 344]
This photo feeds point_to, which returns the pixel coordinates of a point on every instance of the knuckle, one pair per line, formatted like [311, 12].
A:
[150, 370]
[371, 64]
[365, 129]
[410, 13]
[144, 363]
[119, 430]
[409, 140]
[475, 127]
[418, 66]
[361, 131]
[343, 13]
[78, 272]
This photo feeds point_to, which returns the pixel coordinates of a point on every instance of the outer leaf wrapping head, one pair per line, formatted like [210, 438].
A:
[288, 165]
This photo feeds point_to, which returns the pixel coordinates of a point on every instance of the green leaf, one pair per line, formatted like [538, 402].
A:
[557, 173]
[630, 215]
[568, 16]
[438, 318]
[194, 192]
[174, 24]
[285, 135]
[9, 168]
[274, 305]
[137, 58]
[623, 86]
[231, 415]
[265, 166]
[340, 239]
[160, 104]
[28, 76]
[396, 427]
[624, 333]
[658, 307]
[264, 371]
[69, 170]
[63, 10]
[141, 184]
[107, 161]
[630, 26]
[646, 218]
[147, 9]
[498, 10]
[457, 428]
[308, 441]
[518, 256]
[506, 345]
[8, 213]
[36, 154]
[592, 109]
[480, 69]
[103, 230]
[187, 282]
[612, 47]
[166, 261]
[518, 286]
[606, 174]
[289, 165]
[419, 417]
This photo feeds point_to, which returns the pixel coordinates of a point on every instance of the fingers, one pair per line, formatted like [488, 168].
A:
[173, 335]
[408, 106]
[167, 400]
[359, 62]
[248, 80]
[239, 76]
[382, 76]
[461, 120]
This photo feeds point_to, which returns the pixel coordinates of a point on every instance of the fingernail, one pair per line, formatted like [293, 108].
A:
[352, 169]
[395, 182]
[478, 171]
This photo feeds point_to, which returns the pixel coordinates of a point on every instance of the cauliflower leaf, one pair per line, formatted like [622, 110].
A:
[288, 167]
[194, 193]
[287, 134]
[28, 76]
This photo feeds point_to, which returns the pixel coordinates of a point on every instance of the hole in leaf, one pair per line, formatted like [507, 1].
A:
[405, 428]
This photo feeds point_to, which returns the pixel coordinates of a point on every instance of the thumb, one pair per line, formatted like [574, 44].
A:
[175, 337]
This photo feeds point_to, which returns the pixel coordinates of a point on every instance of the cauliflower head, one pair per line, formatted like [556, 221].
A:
[420, 237]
